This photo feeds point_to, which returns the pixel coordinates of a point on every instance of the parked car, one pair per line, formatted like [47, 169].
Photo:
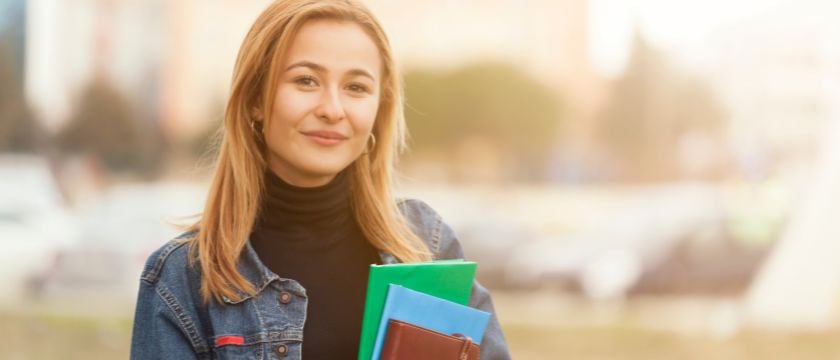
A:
[609, 257]
[34, 222]
[118, 232]
[484, 227]
[490, 244]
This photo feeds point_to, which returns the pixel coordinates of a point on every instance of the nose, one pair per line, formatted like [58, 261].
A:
[330, 108]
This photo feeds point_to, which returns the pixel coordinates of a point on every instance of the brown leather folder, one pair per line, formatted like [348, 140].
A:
[406, 341]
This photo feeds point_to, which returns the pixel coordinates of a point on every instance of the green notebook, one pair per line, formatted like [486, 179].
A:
[447, 279]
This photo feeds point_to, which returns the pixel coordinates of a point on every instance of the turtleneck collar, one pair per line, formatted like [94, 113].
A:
[286, 205]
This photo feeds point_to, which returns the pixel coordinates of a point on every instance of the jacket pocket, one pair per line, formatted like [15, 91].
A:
[236, 347]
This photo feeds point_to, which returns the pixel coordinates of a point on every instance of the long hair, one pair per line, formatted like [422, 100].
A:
[237, 188]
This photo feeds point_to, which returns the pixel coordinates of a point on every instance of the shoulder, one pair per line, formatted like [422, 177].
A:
[170, 261]
[168, 303]
[429, 226]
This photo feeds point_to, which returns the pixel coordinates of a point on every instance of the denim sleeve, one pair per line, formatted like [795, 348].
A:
[156, 335]
[493, 345]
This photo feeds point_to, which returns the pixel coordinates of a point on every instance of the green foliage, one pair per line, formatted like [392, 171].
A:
[487, 100]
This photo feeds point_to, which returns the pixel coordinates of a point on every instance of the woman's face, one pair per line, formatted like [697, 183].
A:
[325, 104]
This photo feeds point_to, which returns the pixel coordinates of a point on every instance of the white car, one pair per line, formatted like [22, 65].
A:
[118, 231]
[33, 222]
[606, 258]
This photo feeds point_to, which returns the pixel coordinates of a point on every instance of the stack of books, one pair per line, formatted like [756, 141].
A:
[419, 311]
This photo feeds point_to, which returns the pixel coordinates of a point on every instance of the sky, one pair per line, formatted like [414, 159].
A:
[677, 26]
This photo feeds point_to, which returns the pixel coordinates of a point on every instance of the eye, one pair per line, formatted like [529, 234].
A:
[357, 88]
[306, 81]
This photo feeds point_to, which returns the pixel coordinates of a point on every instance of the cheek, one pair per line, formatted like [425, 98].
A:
[363, 115]
[289, 107]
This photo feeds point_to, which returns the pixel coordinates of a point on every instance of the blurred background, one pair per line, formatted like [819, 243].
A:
[638, 179]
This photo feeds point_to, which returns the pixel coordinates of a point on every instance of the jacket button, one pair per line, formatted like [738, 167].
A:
[282, 350]
[285, 297]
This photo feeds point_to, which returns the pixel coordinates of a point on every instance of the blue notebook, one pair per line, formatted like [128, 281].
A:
[430, 312]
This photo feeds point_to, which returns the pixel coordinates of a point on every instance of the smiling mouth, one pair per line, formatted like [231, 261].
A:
[325, 134]
[325, 138]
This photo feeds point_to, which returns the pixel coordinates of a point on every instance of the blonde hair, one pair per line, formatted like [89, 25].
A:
[236, 191]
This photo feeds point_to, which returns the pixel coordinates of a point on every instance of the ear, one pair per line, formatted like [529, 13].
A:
[256, 114]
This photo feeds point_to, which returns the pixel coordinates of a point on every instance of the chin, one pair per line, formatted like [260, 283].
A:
[326, 167]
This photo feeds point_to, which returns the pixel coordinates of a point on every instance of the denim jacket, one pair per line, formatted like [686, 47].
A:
[172, 321]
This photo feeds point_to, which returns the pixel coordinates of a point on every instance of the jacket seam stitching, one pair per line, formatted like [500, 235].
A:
[184, 322]
[436, 233]
[258, 313]
[153, 274]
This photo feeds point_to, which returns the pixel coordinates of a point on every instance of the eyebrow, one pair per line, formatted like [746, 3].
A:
[321, 69]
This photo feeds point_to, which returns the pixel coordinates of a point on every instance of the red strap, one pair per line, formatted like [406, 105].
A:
[229, 340]
[465, 349]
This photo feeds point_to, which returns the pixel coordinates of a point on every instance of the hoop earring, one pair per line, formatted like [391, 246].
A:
[256, 127]
[371, 144]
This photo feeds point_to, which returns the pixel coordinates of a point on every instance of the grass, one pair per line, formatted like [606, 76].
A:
[536, 328]
[528, 342]
[49, 336]
[552, 326]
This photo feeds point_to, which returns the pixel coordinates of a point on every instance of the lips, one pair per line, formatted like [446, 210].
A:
[332, 135]
[325, 138]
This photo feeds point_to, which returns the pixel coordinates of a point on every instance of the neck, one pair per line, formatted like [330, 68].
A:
[298, 179]
[287, 205]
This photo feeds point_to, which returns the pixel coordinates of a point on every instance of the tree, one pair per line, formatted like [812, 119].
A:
[106, 127]
[19, 131]
[652, 106]
[494, 102]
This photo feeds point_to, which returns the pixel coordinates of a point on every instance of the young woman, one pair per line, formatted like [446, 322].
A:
[300, 203]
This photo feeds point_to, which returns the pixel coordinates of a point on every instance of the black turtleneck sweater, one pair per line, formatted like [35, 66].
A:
[310, 235]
